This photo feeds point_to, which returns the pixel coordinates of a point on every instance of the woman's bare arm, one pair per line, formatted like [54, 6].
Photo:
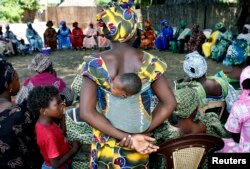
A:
[166, 105]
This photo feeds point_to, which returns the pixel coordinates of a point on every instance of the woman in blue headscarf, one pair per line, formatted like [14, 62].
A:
[34, 39]
[166, 35]
[63, 36]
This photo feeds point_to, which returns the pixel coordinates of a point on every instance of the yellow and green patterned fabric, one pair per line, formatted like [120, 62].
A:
[120, 20]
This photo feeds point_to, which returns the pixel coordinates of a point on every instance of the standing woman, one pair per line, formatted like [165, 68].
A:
[50, 36]
[17, 137]
[113, 118]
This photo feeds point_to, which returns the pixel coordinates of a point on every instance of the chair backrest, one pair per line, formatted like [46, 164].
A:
[217, 106]
[189, 151]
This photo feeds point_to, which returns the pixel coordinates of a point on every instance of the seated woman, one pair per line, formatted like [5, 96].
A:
[6, 47]
[76, 129]
[209, 87]
[18, 145]
[148, 36]
[238, 59]
[245, 34]
[50, 36]
[90, 35]
[46, 75]
[76, 37]
[223, 41]
[34, 39]
[186, 119]
[11, 38]
[239, 119]
[206, 47]
[63, 36]
[181, 36]
[196, 40]
[103, 42]
[114, 113]
[162, 42]
[239, 47]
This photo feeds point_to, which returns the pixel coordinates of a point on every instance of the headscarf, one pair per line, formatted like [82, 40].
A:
[49, 22]
[187, 101]
[236, 53]
[40, 63]
[164, 22]
[29, 23]
[245, 74]
[75, 24]
[147, 23]
[7, 26]
[219, 26]
[62, 23]
[247, 26]
[183, 23]
[120, 20]
[195, 66]
[7, 73]
[195, 28]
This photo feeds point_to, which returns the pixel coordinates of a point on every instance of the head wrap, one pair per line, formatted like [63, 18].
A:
[147, 23]
[247, 26]
[245, 74]
[29, 23]
[6, 75]
[195, 66]
[62, 23]
[7, 26]
[164, 22]
[236, 53]
[120, 20]
[183, 23]
[40, 63]
[187, 101]
[75, 24]
[49, 22]
[219, 26]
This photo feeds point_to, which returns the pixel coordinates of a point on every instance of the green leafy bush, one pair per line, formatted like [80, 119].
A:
[12, 10]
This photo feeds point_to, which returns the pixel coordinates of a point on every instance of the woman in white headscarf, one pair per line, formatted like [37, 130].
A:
[208, 87]
[245, 34]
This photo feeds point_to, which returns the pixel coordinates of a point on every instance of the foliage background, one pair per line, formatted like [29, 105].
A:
[12, 10]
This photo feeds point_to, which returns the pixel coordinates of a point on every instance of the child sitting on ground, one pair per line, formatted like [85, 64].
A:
[45, 102]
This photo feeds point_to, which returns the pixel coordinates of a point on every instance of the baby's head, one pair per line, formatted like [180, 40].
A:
[45, 101]
[125, 85]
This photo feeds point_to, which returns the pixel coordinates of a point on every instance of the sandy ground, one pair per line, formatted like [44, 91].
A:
[66, 63]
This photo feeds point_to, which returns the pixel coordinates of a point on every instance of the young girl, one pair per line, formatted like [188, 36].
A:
[238, 122]
[45, 101]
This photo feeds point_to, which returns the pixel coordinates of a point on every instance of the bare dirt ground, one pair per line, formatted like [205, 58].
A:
[66, 63]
